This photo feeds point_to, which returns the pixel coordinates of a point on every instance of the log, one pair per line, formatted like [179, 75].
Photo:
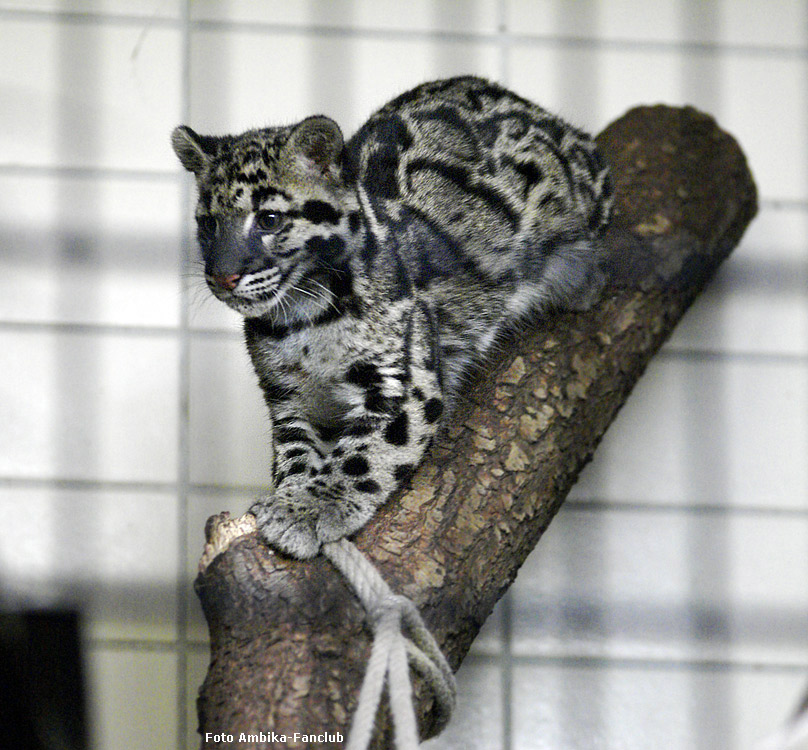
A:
[288, 639]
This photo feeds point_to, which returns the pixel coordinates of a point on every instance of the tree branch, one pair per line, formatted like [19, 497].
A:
[288, 641]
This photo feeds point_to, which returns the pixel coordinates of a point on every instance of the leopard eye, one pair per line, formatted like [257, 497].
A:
[269, 221]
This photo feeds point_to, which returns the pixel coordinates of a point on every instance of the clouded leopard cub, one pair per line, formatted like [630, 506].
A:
[372, 273]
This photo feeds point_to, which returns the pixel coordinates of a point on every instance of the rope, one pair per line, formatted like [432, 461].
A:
[392, 653]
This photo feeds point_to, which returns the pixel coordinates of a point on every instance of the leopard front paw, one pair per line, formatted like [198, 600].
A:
[287, 527]
[299, 528]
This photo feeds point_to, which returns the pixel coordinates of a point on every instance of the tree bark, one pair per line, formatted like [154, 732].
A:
[288, 641]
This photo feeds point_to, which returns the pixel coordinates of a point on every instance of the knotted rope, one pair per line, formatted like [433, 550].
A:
[391, 654]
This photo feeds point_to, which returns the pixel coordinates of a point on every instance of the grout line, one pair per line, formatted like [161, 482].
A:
[122, 329]
[644, 662]
[377, 33]
[586, 661]
[87, 17]
[689, 354]
[506, 662]
[685, 509]
[492, 36]
[112, 485]
[78, 171]
[685, 47]
[166, 645]
[183, 416]
[56, 326]
[183, 329]
[583, 660]
[782, 203]
[585, 504]
[503, 45]
[85, 485]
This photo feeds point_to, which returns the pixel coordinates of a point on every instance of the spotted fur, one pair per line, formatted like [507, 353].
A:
[371, 274]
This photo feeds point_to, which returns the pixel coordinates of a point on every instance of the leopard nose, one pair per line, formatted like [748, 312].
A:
[227, 282]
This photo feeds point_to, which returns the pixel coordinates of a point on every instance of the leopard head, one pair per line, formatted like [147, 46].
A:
[274, 216]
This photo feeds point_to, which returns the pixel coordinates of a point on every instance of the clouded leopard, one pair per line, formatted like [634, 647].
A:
[371, 274]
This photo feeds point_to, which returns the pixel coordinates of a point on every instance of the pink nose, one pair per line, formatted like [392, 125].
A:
[227, 282]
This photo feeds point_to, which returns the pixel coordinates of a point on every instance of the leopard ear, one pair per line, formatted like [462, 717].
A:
[316, 144]
[194, 151]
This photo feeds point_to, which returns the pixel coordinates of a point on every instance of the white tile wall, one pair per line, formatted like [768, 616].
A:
[102, 92]
[779, 24]
[105, 8]
[369, 16]
[480, 714]
[134, 695]
[727, 431]
[666, 605]
[112, 551]
[95, 405]
[666, 585]
[757, 303]
[346, 76]
[92, 249]
[230, 435]
[601, 706]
